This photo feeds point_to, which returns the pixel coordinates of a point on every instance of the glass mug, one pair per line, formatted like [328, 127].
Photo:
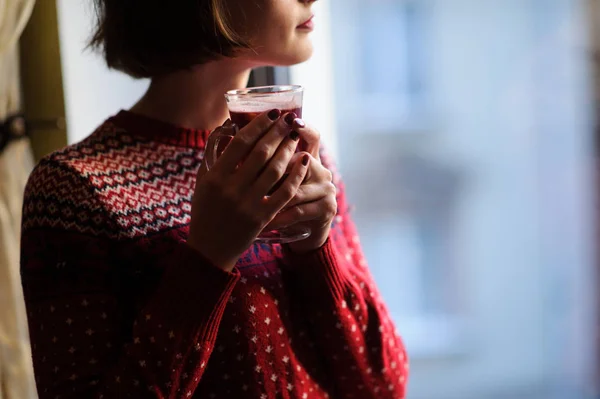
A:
[244, 105]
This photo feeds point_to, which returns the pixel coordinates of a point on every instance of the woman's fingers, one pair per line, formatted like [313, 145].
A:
[260, 156]
[311, 138]
[270, 179]
[311, 192]
[288, 189]
[297, 214]
[245, 140]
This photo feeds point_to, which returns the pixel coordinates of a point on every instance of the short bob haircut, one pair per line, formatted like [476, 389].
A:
[149, 38]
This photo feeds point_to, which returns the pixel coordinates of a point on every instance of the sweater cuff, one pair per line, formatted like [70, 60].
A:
[194, 293]
[319, 271]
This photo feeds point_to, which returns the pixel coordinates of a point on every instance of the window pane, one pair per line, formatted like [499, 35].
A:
[464, 133]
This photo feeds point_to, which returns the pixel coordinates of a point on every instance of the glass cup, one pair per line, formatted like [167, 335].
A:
[244, 105]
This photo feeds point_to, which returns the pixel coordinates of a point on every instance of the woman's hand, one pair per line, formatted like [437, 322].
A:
[230, 206]
[315, 203]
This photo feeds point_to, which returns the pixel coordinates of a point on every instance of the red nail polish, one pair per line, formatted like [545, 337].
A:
[305, 160]
[289, 118]
[294, 135]
[299, 122]
[274, 114]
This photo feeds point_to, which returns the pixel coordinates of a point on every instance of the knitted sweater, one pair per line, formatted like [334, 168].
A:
[120, 307]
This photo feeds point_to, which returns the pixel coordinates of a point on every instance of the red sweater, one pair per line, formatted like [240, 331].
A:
[120, 307]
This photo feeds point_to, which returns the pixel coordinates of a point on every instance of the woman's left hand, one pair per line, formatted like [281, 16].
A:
[315, 203]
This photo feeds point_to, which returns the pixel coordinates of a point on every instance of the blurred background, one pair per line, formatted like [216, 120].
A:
[465, 132]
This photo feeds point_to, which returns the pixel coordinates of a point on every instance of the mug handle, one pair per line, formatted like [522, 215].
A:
[211, 152]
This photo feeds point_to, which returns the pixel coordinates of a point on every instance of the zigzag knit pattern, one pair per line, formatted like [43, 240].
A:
[120, 307]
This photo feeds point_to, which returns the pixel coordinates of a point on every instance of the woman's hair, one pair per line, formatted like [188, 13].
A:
[147, 38]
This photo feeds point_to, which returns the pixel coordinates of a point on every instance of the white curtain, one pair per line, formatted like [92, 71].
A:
[16, 371]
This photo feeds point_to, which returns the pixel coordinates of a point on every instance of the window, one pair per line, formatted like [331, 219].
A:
[381, 62]
[462, 133]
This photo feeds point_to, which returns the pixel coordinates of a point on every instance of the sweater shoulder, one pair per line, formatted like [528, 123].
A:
[60, 193]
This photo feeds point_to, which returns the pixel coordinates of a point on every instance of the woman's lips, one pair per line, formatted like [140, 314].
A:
[308, 25]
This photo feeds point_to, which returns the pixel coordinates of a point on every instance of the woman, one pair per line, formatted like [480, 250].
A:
[140, 271]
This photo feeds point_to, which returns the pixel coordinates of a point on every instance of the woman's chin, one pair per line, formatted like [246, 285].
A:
[300, 55]
[297, 55]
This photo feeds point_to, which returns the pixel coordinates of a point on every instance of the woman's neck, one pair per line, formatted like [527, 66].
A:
[193, 98]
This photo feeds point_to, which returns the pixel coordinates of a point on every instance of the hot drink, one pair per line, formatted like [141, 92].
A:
[242, 118]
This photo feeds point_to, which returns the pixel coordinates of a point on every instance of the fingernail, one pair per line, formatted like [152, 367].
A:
[289, 118]
[294, 135]
[305, 160]
[227, 122]
[274, 114]
[299, 122]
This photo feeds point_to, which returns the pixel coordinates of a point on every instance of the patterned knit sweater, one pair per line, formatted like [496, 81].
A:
[120, 307]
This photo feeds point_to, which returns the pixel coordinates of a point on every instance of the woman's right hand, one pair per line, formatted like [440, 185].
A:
[230, 206]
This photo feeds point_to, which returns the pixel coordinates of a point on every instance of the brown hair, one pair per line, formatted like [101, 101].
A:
[147, 38]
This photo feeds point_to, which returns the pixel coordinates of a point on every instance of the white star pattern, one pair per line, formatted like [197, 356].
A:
[280, 366]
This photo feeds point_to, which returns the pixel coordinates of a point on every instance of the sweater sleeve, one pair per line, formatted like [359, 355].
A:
[348, 318]
[89, 338]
